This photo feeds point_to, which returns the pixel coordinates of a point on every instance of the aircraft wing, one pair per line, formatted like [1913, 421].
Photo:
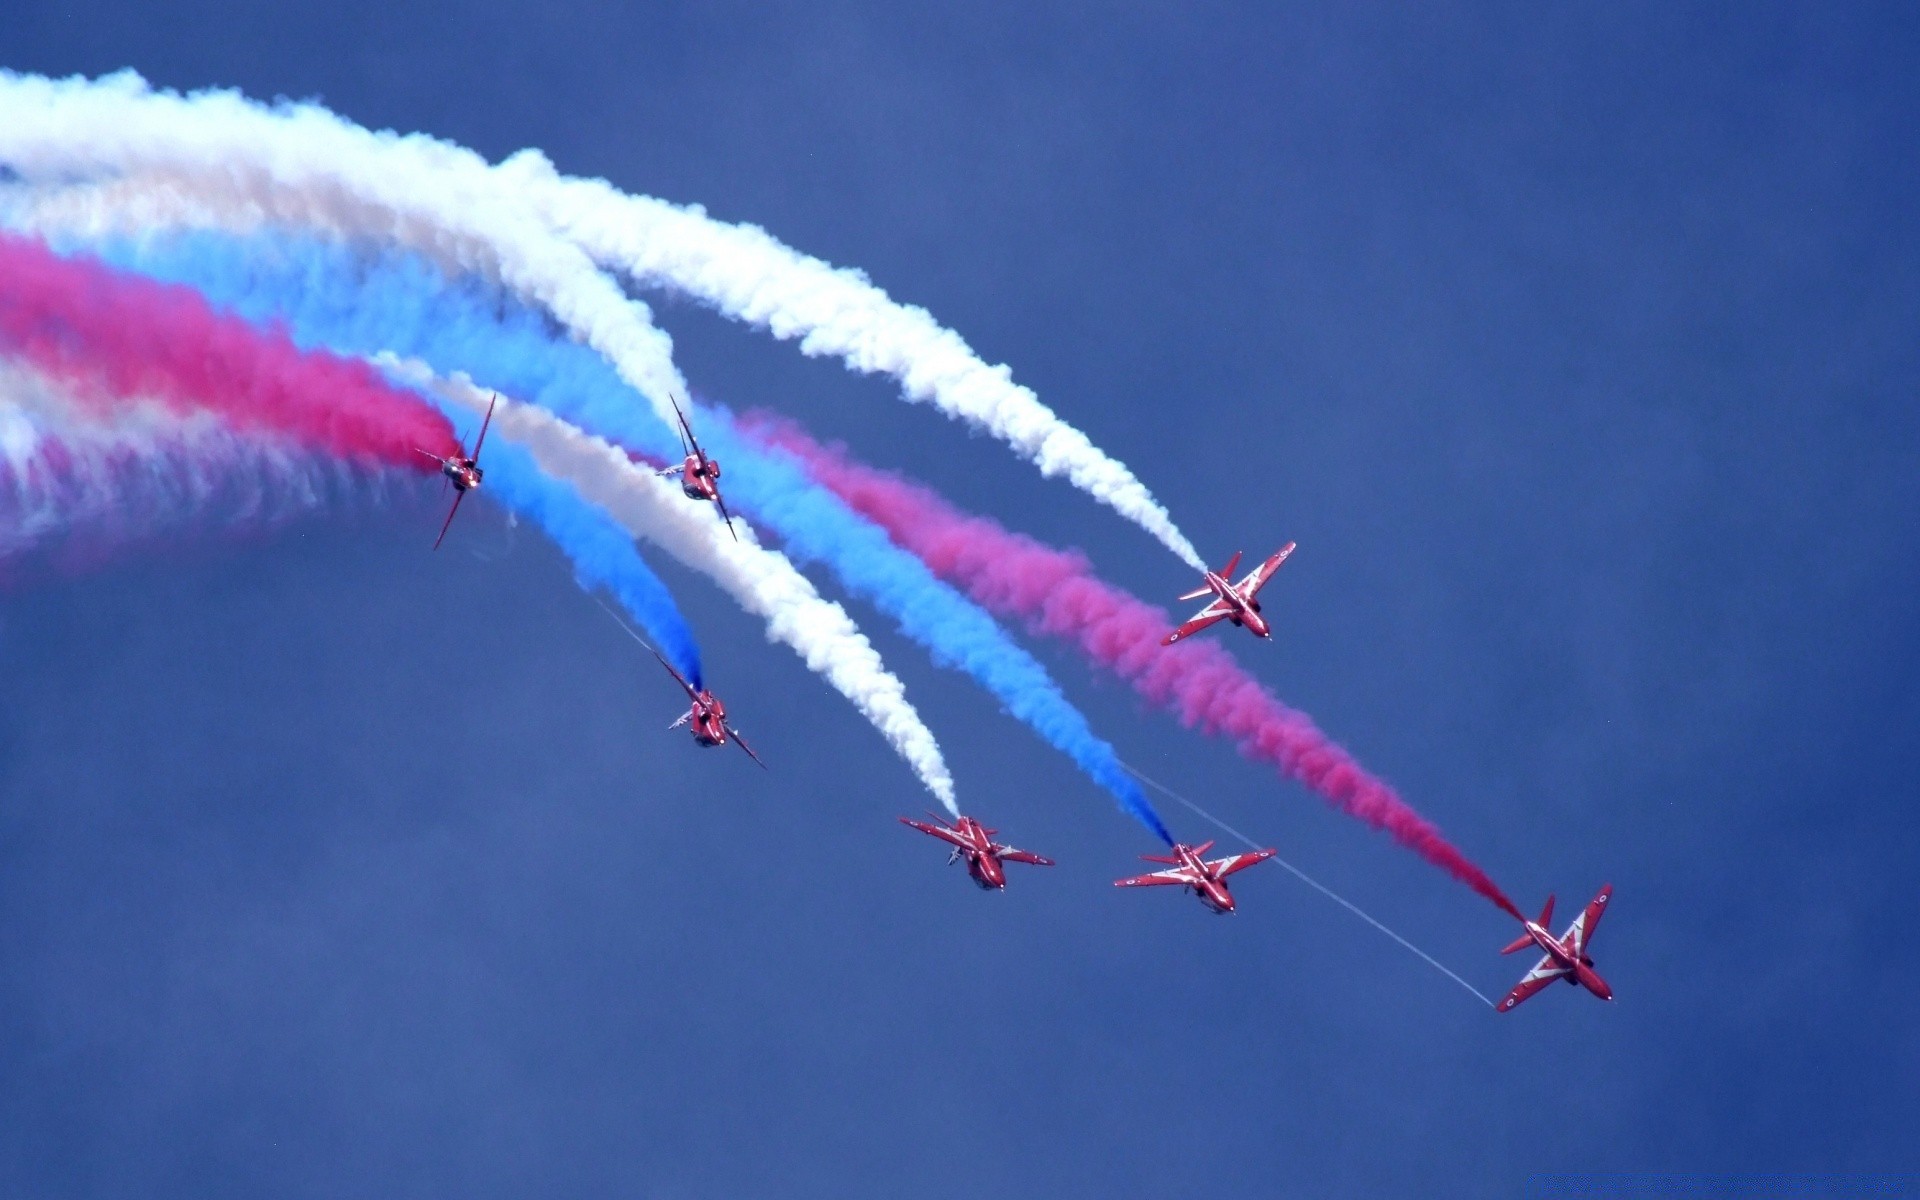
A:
[1224, 867]
[1022, 856]
[1206, 618]
[1257, 578]
[1544, 972]
[1173, 876]
[445, 525]
[939, 831]
[720, 503]
[742, 743]
[1581, 931]
[482, 439]
[691, 694]
[686, 430]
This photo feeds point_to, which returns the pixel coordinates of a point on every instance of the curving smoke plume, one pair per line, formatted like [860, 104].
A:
[305, 163]
[79, 492]
[108, 335]
[763, 583]
[747, 274]
[362, 301]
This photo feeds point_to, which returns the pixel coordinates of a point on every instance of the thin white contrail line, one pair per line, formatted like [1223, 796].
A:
[1311, 882]
[621, 622]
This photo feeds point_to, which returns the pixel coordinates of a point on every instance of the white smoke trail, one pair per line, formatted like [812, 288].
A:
[118, 477]
[445, 199]
[137, 205]
[748, 275]
[763, 582]
[301, 162]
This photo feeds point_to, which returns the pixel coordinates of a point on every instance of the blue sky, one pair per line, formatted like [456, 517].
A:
[1576, 351]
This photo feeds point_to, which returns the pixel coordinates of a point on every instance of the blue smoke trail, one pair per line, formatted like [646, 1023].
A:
[364, 302]
[601, 552]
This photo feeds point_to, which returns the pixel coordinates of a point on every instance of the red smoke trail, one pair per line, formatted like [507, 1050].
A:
[1057, 592]
[100, 330]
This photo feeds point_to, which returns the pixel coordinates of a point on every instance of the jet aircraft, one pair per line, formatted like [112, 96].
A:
[1236, 602]
[707, 716]
[974, 842]
[1566, 956]
[1191, 870]
[462, 471]
[699, 473]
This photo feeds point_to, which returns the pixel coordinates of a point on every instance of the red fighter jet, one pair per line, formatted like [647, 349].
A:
[1236, 602]
[699, 474]
[974, 842]
[1566, 955]
[1207, 880]
[707, 716]
[463, 472]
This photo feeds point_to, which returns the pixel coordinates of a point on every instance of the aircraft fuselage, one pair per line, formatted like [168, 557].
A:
[461, 472]
[1212, 892]
[697, 480]
[986, 871]
[1246, 613]
[1582, 967]
[708, 720]
[983, 865]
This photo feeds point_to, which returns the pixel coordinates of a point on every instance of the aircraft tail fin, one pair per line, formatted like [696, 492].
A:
[1546, 914]
[1518, 944]
[1226, 572]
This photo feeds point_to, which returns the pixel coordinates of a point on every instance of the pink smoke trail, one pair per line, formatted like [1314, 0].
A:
[1056, 592]
[99, 330]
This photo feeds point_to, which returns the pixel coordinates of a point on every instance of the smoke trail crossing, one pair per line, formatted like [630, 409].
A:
[763, 583]
[405, 306]
[600, 549]
[105, 330]
[352, 301]
[1313, 883]
[748, 275]
[101, 331]
[1057, 593]
[304, 162]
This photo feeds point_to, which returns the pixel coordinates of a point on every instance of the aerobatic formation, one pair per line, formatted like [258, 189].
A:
[220, 314]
